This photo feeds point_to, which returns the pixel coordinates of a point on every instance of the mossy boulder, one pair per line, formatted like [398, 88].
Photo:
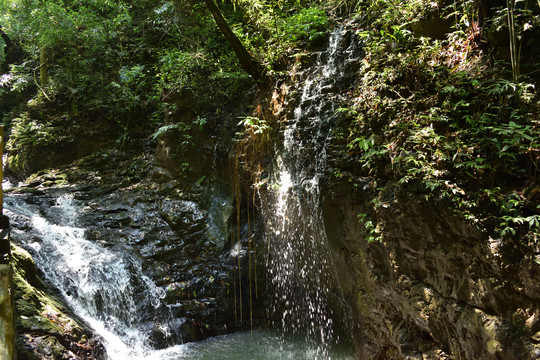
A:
[46, 328]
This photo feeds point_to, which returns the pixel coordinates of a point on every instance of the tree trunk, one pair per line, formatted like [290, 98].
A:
[248, 63]
[43, 74]
[514, 56]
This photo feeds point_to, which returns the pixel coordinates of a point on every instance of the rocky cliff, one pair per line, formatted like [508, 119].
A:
[423, 256]
[434, 286]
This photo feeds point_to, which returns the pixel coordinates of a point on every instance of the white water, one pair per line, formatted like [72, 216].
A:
[299, 260]
[101, 285]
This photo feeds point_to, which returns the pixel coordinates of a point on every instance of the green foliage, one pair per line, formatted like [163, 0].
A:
[127, 63]
[117, 62]
[370, 227]
[28, 136]
[369, 151]
[512, 220]
[513, 139]
[519, 21]
[176, 69]
[275, 30]
[29, 133]
[309, 24]
[17, 80]
[79, 39]
[254, 126]
[434, 114]
[253, 142]
[127, 93]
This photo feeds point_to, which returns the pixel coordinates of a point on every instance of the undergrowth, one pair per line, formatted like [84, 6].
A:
[445, 119]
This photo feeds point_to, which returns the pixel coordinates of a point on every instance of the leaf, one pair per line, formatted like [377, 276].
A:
[505, 147]
[533, 221]
[508, 229]
[162, 130]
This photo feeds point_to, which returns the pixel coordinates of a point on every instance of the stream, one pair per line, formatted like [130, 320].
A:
[259, 345]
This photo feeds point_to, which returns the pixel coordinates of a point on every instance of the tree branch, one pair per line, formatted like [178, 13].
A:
[247, 61]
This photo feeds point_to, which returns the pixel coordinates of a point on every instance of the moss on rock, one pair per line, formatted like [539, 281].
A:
[46, 329]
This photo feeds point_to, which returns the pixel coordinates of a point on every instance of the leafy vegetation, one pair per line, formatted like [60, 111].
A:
[124, 65]
[372, 232]
[442, 117]
[119, 63]
[277, 30]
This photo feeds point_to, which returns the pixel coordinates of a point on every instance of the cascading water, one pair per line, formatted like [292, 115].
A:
[299, 260]
[106, 288]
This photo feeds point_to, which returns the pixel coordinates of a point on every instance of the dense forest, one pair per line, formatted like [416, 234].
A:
[431, 166]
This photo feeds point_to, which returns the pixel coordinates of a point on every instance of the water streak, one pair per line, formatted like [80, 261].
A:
[299, 260]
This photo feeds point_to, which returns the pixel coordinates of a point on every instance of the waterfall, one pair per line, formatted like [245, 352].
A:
[298, 257]
[104, 282]
[105, 287]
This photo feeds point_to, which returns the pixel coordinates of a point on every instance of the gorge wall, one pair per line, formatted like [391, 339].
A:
[422, 280]
[434, 287]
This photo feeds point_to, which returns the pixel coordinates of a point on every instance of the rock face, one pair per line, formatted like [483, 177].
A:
[422, 282]
[435, 287]
[177, 241]
[182, 250]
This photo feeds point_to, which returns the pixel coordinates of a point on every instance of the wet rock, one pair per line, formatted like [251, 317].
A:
[178, 241]
[24, 190]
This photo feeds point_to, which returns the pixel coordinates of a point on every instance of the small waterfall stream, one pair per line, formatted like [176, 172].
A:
[104, 284]
[299, 260]
[106, 287]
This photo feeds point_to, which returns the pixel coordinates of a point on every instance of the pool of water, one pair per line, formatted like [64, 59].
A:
[259, 345]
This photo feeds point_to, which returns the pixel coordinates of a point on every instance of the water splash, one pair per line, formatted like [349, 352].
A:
[298, 257]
